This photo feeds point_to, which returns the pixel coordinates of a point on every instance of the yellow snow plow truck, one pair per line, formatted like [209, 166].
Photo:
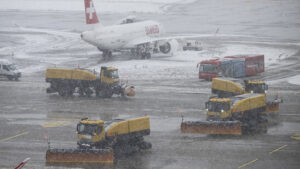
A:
[99, 142]
[86, 82]
[228, 87]
[235, 115]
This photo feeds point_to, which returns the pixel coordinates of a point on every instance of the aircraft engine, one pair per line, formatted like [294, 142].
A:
[168, 46]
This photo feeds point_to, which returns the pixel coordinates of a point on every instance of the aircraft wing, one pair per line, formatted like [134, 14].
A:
[140, 41]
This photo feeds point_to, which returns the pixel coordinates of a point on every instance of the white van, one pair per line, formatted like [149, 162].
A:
[9, 70]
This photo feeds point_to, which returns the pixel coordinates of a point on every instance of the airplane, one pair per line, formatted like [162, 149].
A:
[142, 38]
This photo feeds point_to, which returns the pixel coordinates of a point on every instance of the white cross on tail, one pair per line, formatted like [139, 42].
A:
[90, 10]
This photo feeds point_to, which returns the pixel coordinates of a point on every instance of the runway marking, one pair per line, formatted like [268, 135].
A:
[244, 165]
[8, 138]
[296, 136]
[56, 124]
[277, 149]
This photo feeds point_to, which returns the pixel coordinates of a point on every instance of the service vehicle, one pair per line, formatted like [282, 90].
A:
[227, 87]
[208, 69]
[252, 65]
[102, 141]
[192, 45]
[9, 70]
[236, 66]
[86, 82]
[236, 115]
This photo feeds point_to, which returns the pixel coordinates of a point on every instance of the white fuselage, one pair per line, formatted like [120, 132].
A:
[123, 36]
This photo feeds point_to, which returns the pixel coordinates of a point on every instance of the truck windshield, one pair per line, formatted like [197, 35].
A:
[217, 106]
[208, 68]
[12, 67]
[256, 88]
[114, 74]
[86, 128]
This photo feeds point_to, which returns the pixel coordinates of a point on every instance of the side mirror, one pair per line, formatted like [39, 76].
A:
[77, 128]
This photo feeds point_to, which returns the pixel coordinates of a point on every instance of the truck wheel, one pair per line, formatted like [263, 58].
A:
[109, 94]
[145, 145]
[148, 55]
[65, 91]
[9, 77]
[143, 55]
[62, 91]
[105, 93]
[81, 91]
[88, 92]
[71, 91]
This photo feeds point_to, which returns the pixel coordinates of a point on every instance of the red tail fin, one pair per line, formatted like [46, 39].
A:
[90, 12]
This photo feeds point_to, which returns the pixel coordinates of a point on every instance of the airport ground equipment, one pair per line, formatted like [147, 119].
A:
[86, 82]
[101, 141]
[235, 115]
[227, 87]
[208, 69]
[192, 45]
[9, 70]
[231, 66]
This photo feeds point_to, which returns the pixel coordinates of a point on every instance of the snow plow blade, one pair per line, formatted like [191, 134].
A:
[212, 127]
[60, 157]
[273, 106]
[129, 91]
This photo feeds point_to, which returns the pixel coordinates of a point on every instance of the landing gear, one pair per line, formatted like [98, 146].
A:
[142, 51]
[106, 54]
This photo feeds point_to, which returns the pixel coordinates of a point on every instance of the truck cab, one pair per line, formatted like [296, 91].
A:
[109, 75]
[208, 69]
[9, 70]
[218, 108]
[90, 132]
[255, 86]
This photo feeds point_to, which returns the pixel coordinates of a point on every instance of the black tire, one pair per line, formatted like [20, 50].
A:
[62, 91]
[148, 55]
[81, 91]
[88, 92]
[71, 91]
[145, 145]
[106, 92]
[10, 77]
[65, 91]
[143, 55]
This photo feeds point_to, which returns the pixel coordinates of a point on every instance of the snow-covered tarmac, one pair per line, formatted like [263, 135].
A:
[41, 38]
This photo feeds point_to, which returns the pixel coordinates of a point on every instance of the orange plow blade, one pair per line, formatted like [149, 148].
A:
[272, 107]
[80, 156]
[211, 127]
